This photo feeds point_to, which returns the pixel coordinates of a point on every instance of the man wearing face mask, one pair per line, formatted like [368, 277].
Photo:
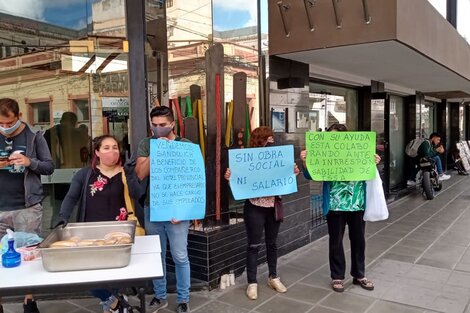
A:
[162, 124]
[24, 157]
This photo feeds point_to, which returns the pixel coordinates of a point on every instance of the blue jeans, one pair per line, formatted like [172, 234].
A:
[414, 170]
[106, 296]
[177, 235]
[438, 161]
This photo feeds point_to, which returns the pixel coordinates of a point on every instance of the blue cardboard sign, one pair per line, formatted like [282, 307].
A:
[262, 172]
[177, 181]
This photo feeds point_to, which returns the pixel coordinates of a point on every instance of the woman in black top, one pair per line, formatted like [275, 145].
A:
[103, 192]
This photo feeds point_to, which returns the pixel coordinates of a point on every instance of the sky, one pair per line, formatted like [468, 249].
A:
[232, 14]
[228, 14]
[67, 13]
[463, 11]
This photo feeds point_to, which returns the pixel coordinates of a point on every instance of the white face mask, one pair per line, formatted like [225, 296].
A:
[12, 129]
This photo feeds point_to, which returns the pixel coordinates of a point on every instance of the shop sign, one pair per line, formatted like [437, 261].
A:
[115, 107]
[110, 83]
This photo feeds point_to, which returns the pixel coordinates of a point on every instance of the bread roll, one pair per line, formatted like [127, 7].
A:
[75, 238]
[111, 241]
[99, 242]
[86, 243]
[124, 240]
[117, 234]
[63, 244]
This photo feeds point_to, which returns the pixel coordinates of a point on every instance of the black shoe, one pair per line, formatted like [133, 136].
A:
[182, 308]
[30, 307]
[157, 304]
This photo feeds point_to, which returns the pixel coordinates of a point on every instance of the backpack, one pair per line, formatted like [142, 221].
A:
[412, 147]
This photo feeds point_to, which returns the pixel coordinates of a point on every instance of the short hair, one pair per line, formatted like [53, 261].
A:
[162, 111]
[69, 117]
[8, 105]
[338, 127]
[434, 135]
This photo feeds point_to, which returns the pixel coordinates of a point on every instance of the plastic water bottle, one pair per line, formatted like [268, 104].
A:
[11, 258]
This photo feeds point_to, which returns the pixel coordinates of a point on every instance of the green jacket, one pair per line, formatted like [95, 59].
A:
[426, 149]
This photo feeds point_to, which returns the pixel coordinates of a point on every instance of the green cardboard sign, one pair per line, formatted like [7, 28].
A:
[341, 156]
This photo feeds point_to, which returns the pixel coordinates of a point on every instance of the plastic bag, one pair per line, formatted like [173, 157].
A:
[22, 239]
[376, 206]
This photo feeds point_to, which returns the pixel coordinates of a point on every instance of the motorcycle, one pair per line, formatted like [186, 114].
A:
[428, 178]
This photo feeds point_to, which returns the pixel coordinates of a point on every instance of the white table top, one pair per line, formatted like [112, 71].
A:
[145, 264]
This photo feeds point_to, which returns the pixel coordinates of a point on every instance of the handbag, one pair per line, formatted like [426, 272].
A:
[376, 206]
[278, 209]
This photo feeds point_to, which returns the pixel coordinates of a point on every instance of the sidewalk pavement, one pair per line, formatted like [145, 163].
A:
[419, 260]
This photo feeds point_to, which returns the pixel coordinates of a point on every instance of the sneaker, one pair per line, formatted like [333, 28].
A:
[252, 291]
[410, 183]
[158, 304]
[276, 284]
[122, 305]
[182, 308]
[444, 177]
[30, 307]
[111, 304]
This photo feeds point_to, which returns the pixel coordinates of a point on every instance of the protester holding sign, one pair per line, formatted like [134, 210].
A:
[344, 203]
[259, 214]
[176, 231]
[103, 192]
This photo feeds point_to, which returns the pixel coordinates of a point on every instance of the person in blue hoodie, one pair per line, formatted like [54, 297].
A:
[344, 204]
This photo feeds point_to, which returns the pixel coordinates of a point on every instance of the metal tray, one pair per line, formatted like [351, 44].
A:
[87, 258]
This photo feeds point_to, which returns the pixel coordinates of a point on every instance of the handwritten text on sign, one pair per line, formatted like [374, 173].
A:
[341, 156]
[261, 172]
[177, 181]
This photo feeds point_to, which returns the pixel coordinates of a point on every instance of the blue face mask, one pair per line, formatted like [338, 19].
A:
[12, 129]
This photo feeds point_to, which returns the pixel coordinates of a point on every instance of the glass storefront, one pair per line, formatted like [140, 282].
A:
[66, 65]
[397, 141]
[332, 104]
[329, 104]
[462, 121]
[427, 119]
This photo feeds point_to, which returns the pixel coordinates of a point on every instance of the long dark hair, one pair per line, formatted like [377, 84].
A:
[97, 142]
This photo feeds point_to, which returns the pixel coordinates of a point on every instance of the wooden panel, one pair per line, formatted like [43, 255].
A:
[239, 107]
[214, 168]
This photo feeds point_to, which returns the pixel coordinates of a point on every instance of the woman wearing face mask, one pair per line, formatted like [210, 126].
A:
[259, 215]
[344, 204]
[102, 191]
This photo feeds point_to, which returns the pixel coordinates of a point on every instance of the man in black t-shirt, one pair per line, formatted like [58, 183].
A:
[24, 157]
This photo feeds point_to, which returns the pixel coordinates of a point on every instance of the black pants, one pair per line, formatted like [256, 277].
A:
[258, 219]
[336, 225]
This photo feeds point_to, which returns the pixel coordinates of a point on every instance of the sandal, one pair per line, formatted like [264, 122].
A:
[337, 285]
[364, 283]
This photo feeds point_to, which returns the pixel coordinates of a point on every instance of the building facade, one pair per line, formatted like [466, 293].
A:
[396, 67]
